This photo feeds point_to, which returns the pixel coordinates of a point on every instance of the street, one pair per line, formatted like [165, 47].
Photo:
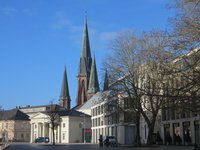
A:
[89, 147]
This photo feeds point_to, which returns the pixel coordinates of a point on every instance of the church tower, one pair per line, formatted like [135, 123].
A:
[106, 82]
[84, 68]
[93, 83]
[64, 94]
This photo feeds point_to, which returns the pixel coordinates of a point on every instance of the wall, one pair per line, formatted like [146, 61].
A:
[76, 125]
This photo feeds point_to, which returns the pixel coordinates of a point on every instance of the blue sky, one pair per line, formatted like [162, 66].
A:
[39, 37]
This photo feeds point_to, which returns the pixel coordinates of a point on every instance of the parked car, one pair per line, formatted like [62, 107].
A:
[110, 141]
[42, 140]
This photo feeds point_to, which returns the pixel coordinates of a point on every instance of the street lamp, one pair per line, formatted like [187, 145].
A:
[83, 128]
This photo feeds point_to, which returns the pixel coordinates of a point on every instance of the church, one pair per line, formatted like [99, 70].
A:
[87, 78]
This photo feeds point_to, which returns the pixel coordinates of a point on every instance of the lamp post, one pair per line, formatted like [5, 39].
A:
[83, 128]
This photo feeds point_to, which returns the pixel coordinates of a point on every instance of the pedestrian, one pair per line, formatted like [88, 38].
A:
[100, 141]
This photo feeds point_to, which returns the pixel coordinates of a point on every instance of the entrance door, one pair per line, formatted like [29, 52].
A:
[130, 134]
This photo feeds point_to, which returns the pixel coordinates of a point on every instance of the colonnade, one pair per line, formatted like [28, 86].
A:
[43, 129]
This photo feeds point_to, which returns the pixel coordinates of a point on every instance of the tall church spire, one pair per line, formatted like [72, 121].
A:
[93, 83]
[85, 59]
[84, 68]
[64, 94]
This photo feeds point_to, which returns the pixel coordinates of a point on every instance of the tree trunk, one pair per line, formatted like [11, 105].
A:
[150, 133]
[150, 136]
[138, 141]
[53, 127]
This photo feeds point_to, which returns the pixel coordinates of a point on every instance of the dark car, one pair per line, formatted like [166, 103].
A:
[42, 140]
[111, 140]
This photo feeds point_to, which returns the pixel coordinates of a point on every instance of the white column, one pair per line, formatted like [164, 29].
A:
[50, 134]
[32, 132]
[38, 130]
[57, 130]
[43, 129]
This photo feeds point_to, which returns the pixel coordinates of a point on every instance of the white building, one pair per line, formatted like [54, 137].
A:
[108, 120]
[73, 127]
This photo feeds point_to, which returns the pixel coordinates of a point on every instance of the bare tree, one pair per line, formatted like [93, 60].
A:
[121, 64]
[185, 44]
[54, 118]
[186, 25]
[156, 58]
[137, 69]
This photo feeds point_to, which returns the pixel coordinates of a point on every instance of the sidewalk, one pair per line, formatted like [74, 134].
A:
[162, 147]
[3, 146]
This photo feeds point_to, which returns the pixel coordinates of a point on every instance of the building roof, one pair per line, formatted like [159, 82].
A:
[72, 112]
[94, 100]
[13, 114]
[40, 108]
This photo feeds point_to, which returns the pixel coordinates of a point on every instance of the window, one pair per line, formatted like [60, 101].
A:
[99, 109]
[126, 103]
[63, 125]
[96, 111]
[63, 136]
[98, 121]
[27, 135]
[102, 109]
[22, 125]
[22, 136]
[35, 126]
[128, 117]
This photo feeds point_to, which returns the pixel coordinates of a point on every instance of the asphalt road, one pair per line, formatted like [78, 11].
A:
[89, 147]
[56, 147]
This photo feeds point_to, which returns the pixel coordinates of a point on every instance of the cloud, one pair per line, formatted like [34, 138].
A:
[8, 11]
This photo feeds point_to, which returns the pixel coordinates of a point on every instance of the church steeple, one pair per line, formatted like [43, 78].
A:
[85, 59]
[93, 83]
[86, 43]
[84, 68]
[64, 94]
[106, 82]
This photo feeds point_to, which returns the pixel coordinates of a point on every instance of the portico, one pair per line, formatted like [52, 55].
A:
[40, 127]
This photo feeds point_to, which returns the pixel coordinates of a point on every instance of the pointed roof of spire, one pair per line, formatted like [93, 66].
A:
[64, 89]
[106, 82]
[93, 83]
[82, 69]
[85, 59]
[86, 43]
